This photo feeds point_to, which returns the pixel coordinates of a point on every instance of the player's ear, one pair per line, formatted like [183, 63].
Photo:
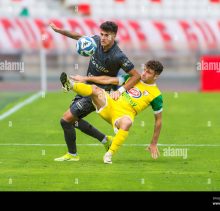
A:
[156, 76]
[113, 36]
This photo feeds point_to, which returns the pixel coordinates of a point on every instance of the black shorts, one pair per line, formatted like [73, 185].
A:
[81, 106]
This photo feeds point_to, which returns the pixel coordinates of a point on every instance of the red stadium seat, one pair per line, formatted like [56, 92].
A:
[120, 1]
[156, 1]
[84, 9]
[214, 1]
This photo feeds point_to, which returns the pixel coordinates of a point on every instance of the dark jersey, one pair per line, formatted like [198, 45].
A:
[108, 63]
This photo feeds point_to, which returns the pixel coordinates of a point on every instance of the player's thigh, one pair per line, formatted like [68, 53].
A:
[98, 97]
[107, 111]
[81, 107]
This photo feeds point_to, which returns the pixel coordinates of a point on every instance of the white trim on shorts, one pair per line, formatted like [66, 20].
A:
[106, 103]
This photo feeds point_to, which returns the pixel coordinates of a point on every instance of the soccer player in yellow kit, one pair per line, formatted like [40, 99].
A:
[120, 113]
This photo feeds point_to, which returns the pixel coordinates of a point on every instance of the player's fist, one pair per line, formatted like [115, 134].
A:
[153, 150]
[115, 95]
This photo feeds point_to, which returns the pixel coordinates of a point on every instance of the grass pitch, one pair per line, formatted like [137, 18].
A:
[31, 138]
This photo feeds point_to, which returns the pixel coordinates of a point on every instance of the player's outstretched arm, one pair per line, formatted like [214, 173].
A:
[135, 78]
[69, 34]
[157, 127]
[96, 79]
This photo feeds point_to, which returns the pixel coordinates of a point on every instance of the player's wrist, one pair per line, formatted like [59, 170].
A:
[153, 143]
[121, 89]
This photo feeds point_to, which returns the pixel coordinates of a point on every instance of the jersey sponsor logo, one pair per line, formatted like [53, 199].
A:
[128, 98]
[134, 92]
[97, 66]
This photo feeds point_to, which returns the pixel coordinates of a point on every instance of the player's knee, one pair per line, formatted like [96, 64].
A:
[125, 123]
[68, 117]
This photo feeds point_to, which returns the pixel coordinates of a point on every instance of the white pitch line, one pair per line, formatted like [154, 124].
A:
[128, 145]
[20, 105]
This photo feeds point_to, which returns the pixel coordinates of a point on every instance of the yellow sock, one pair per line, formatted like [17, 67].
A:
[82, 89]
[118, 140]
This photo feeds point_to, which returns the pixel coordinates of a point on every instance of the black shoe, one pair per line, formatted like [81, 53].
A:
[65, 82]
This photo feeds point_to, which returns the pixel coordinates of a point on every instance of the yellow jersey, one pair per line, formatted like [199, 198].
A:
[141, 96]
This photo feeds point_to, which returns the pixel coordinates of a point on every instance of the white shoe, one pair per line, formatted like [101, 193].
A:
[107, 158]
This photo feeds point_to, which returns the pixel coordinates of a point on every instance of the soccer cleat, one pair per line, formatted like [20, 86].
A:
[108, 143]
[68, 157]
[65, 82]
[107, 158]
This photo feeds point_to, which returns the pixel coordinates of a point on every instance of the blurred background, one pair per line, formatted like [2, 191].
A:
[179, 33]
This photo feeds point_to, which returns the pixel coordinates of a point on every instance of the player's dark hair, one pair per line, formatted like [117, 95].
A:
[109, 26]
[155, 65]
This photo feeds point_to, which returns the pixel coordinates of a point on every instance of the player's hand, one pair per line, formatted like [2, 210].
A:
[78, 78]
[153, 150]
[54, 27]
[115, 95]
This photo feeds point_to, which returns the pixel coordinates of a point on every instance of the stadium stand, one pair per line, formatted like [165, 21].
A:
[151, 9]
[177, 32]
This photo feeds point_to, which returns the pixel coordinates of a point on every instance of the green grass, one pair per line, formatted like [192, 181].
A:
[8, 100]
[26, 168]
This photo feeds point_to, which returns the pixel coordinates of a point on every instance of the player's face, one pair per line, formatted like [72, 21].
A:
[107, 38]
[148, 76]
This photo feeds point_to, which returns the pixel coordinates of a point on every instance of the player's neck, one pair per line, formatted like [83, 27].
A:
[107, 47]
[150, 82]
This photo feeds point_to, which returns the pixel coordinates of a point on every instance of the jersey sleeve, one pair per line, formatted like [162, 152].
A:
[123, 78]
[125, 63]
[157, 104]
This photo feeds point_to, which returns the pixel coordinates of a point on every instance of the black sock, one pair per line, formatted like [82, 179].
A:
[70, 136]
[88, 129]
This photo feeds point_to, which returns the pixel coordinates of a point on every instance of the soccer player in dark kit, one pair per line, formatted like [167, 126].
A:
[107, 60]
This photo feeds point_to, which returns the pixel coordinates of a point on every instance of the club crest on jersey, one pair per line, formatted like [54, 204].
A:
[134, 92]
[145, 93]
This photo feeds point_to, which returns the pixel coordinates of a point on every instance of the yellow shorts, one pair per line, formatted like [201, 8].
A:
[114, 110]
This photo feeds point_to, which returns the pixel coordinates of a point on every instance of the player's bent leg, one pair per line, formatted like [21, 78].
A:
[80, 88]
[70, 137]
[90, 130]
[83, 89]
[124, 125]
[81, 107]
[69, 117]
[98, 97]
